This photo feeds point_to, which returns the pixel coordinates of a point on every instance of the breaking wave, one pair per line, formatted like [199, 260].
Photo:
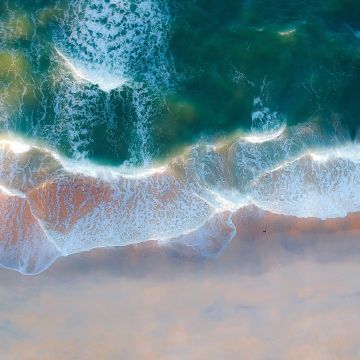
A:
[92, 82]
[103, 68]
[54, 206]
[117, 44]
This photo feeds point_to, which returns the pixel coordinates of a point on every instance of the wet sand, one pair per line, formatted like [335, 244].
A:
[292, 293]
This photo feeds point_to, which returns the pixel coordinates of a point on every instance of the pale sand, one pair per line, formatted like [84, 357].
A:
[293, 293]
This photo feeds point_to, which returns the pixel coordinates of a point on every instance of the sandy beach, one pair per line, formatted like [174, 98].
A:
[291, 293]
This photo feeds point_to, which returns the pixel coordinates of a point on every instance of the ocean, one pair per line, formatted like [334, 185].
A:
[126, 121]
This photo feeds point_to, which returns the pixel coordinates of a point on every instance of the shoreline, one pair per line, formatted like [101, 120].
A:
[287, 238]
[266, 297]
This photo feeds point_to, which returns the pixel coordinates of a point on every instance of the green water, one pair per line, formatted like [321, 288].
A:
[225, 66]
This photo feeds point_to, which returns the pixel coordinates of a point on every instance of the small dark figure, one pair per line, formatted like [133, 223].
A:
[265, 230]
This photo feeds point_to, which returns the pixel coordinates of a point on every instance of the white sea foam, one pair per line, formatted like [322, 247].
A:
[190, 200]
[313, 185]
[76, 115]
[114, 44]
[212, 238]
[130, 211]
[106, 81]
[264, 137]
[109, 68]
[287, 32]
[24, 166]
[263, 119]
[23, 244]
[16, 147]
[123, 37]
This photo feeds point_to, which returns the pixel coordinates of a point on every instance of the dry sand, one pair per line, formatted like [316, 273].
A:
[292, 293]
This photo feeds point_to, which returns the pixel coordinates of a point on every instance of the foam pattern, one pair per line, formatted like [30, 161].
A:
[55, 206]
[23, 244]
[117, 44]
[116, 39]
[103, 64]
[311, 186]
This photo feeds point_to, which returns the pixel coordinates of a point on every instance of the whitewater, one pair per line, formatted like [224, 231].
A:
[206, 131]
[56, 207]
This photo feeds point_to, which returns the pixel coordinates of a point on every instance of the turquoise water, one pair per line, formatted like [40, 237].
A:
[126, 121]
[160, 75]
